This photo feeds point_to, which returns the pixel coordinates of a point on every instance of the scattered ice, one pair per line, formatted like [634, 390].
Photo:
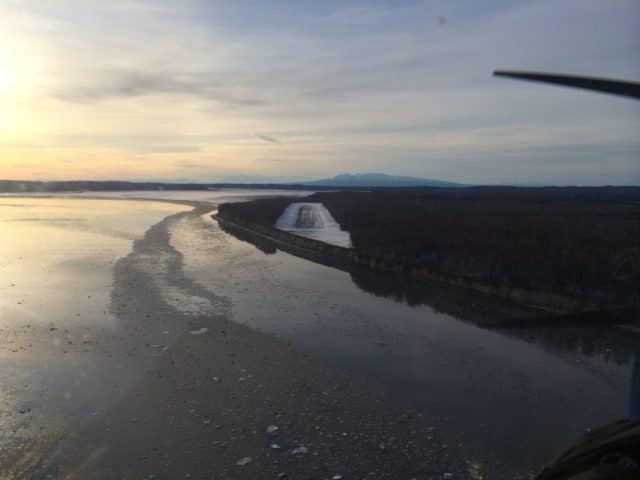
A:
[276, 446]
[244, 461]
[271, 429]
[200, 331]
[301, 450]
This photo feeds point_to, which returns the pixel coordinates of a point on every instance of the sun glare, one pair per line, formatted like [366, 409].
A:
[20, 71]
[7, 74]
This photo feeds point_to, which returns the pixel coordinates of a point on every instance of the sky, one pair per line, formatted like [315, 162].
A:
[295, 89]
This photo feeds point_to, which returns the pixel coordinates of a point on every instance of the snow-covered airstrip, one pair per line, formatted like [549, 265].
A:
[313, 220]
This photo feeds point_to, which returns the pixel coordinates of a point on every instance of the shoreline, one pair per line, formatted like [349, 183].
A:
[545, 307]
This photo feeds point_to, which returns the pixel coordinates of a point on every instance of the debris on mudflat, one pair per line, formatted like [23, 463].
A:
[244, 461]
[199, 331]
[272, 429]
[301, 450]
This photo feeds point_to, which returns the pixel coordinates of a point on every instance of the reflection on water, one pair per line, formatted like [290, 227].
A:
[527, 391]
[634, 393]
[56, 271]
[56, 255]
[606, 351]
[602, 344]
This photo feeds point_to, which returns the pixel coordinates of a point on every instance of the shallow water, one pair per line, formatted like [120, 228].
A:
[204, 196]
[56, 255]
[56, 273]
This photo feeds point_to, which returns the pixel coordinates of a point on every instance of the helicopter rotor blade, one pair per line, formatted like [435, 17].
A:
[605, 85]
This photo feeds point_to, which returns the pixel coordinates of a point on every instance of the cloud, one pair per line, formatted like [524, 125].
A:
[268, 138]
[131, 83]
[127, 142]
[350, 85]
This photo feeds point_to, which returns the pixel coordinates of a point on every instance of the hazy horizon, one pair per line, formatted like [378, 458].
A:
[295, 181]
[205, 91]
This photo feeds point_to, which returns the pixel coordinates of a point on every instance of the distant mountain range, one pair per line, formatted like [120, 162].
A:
[379, 180]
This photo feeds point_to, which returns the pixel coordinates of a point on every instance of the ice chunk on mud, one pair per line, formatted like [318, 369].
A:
[313, 220]
[244, 461]
[200, 331]
[301, 450]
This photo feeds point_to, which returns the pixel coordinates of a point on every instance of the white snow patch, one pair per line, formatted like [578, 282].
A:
[313, 220]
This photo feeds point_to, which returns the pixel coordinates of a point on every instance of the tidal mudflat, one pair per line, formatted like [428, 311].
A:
[139, 339]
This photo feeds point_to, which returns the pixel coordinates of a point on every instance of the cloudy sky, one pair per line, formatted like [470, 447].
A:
[214, 90]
